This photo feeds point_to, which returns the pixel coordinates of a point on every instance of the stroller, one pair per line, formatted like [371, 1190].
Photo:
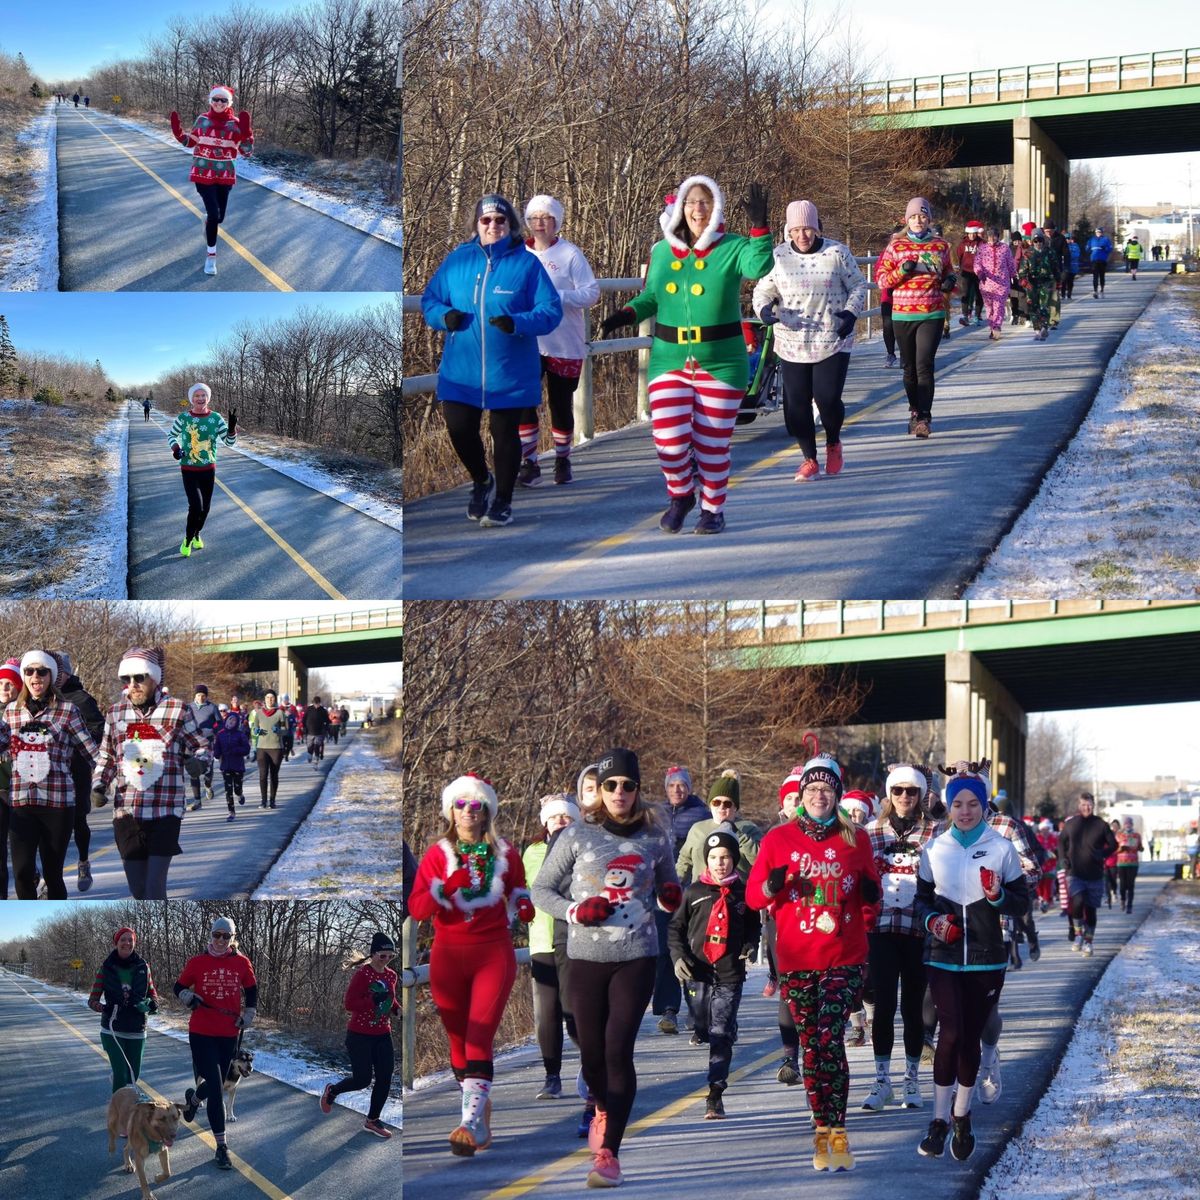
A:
[765, 391]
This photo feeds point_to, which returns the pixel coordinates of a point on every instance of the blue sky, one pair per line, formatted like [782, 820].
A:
[139, 335]
[18, 917]
[63, 42]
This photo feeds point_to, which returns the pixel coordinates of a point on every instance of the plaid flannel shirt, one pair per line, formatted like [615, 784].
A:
[1023, 842]
[167, 794]
[900, 856]
[66, 731]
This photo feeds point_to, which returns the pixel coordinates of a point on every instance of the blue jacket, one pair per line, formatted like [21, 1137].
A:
[1074, 251]
[1099, 248]
[482, 365]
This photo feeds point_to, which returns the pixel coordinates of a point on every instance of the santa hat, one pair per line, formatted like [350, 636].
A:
[791, 785]
[904, 775]
[624, 862]
[862, 802]
[11, 670]
[40, 658]
[1028, 227]
[973, 227]
[469, 787]
[558, 804]
[221, 92]
[141, 660]
[545, 204]
[198, 388]
[673, 214]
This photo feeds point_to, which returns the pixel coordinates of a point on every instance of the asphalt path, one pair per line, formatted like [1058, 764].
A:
[904, 516]
[129, 220]
[764, 1147]
[221, 859]
[54, 1095]
[313, 547]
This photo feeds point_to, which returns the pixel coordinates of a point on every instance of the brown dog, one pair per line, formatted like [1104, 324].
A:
[152, 1128]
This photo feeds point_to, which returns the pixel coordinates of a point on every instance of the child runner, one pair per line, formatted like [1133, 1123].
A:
[232, 746]
[193, 441]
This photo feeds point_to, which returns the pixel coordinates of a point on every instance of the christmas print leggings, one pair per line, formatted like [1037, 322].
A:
[820, 1004]
[215, 197]
[821, 382]
[964, 1001]
[918, 342]
[462, 424]
[198, 485]
[370, 1054]
[470, 989]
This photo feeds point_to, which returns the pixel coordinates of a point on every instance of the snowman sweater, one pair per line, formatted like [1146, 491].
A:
[215, 139]
[897, 854]
[197, 438]
[41, 744]
[628, 867]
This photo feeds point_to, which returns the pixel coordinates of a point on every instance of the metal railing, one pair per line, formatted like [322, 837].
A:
[289, 627]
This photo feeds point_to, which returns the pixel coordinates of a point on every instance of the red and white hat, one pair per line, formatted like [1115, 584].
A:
[864, 802]
[791, 785]
[39, 658]
[142, 660]
[469, 787]
[974, 227]
[221, 92]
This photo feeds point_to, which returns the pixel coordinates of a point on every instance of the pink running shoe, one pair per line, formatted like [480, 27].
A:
[809, 469]
[606, 1171]
[833, 459]
[596, 1131]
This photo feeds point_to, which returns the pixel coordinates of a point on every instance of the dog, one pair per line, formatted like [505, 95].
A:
[241, 1066]
[147, 1122]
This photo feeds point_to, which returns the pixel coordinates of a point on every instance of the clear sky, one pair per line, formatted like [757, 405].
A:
[139, 335]
[18, 917]
[63, 42]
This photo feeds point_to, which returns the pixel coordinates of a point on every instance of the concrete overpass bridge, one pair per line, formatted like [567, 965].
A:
[295, 645]
[1041, 117]
[982, 665]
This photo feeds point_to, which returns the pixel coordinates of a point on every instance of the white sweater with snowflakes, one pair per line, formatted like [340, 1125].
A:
[577, 288]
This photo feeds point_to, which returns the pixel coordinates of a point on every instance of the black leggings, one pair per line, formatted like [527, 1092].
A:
[789, 1035]
[268, 770]
[1126, 874]
[39, 829]
[918, 342]
[215, 197]
[609, 1000]
[5, 814]
[462, 423]
[1068, 284]
[211, 1057]
[560, 394]
[889, 330]
[896, 958]
[198, 484]
[972, 297]
[370, 1054]
[964, 1001]
[83, 832]
[823, 382]
[548, 1012]
[1098, 270]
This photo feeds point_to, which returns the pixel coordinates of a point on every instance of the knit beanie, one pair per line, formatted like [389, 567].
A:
[201, 687]
[469, 787]
[223, 925]
[728, 784]
[545, 204]
[123, 930]
[381, 941]
[677, 774]
[492, 204]
[11, 670]
[917, 205]
[968, 783]
[823, 768]
[618, 762]
[558, 804]
[141, 660]
[722, 838]
[65, 668]
[791, 785]
[802, 213]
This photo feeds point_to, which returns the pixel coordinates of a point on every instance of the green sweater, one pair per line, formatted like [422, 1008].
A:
[197, 437]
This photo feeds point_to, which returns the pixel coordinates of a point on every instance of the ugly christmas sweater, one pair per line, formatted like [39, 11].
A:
[577, 288]
[919, 296]
[481, 911]
[41, 738]
[216, 139]
[369, 1013]
[197, 438]
[218, 980]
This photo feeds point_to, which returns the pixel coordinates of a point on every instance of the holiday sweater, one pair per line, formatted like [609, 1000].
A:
[692, 860]
[216, 139]
[219, 980]
[896, 846]
[811, 289]
[577, 288]
[197, 438]
[1129, 849]
[124, 983]
[818, 915]
[687, 934]
[371, 1013]
[41, 743]
[919, 296]
[995, 269]
[480, 912]
[628, 866]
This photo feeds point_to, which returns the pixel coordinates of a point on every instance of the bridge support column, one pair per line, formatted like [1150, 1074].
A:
[984, 721]
[293, 674]
[1041, 176]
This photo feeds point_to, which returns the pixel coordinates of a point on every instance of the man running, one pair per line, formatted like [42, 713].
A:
[207, 718]
[1086, 841]
[316, 725]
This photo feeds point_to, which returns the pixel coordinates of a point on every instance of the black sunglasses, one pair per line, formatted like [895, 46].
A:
[38, 671]
[133, 678]
[626, 785]
[906, 791]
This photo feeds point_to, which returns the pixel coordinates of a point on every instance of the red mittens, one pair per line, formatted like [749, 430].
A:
[455, 880]
[946, 928]
[870, 916]
[244, 126]
[524, 909]
[176, 127]
[670, 897]
[595, 910]
[991, 883]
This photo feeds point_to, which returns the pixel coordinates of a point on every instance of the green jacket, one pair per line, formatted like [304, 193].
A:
[691, 864]
[541, 928]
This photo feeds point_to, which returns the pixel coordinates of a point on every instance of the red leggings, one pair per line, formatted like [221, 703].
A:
[470, 989]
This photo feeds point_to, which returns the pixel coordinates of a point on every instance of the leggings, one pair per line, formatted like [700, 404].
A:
[548, 1012]
[370, 1054]
[462, 424]
[964, 1001]
[215, 197]
[268, 771]
[5, 815]
[1126, 874]
[897, 958]
[889, 330]
[823, 382]
[1098, 270]
[470, 989]
[609, 1000]
[80, 827]
[198, 484]
[918, 342]
[560, 393]
[147, 877]
[40, 830]
[693, 414]
[1069, 284]
[211, 1057]
[233, 786]
[820, 1003]
[123, 1073]
[789, 1035]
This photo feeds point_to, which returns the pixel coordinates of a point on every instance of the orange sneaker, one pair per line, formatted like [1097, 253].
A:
[833, 459]
[809, 469]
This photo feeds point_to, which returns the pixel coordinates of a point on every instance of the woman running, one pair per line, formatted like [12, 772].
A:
[699, 367]
[606, 876]
[212, 985]
[471, 884]
[217, 138]
[268, 729]
[995, 269]
[1129, 850]
[371, 1002]
[124, 984]
[817, 875]
[193, 441]
[10, 688]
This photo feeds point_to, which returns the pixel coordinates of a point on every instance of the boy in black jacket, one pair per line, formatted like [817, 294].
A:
[710, 937]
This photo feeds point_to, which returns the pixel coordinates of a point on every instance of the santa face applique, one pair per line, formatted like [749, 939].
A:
[31, 753]
[142, 755]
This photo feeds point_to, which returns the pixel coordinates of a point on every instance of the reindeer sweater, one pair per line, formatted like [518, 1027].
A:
[197, 437]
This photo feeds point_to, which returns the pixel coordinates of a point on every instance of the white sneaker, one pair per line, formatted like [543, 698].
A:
[989, 1084]
[912, 1093]
[210, 264]
[1087, 949]
[1078, 943]
[879, 1095]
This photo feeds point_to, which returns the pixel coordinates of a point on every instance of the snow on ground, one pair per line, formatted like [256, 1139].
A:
[1120, 1115]
[32, 262]
[349, 846]
[1116, 515]
[277, 1055]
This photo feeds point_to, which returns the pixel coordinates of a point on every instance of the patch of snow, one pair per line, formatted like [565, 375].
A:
[32, 262]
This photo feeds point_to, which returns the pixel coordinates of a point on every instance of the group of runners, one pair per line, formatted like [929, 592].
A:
[918, 899]
[513, 311]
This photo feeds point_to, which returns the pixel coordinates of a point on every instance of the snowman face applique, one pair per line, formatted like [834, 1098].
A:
[31, 752]
[142, 755]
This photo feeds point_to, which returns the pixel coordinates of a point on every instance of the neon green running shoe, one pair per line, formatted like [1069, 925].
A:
[185, 548]
[197, 544]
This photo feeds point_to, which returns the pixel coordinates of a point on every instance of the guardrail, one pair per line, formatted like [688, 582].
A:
[344, 622]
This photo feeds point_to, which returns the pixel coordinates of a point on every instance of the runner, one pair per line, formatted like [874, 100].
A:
[335, 723]
[471, 884]
[1038, 274]
[1129, 849]
[217, 138]
[1110, 866]
[1057, 245]
[10, 687]
[124, 982]
[289, 738]
[606, 875]
[1099, 247]
[1048, 840]
[972, 299]
[146, 409]
[1083, 845]
[1133, 257]
[193, 441]
[208, 719]
[371, 1002]
[995, 270]
[212, 985]
[268, 727]
[316, 726]
[230, 748]
[789, 1067]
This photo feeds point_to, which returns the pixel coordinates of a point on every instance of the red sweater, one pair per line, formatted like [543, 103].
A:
[919, 296]
[818, 915]
[218, 981]
[461, 920]
[360, 1002]
[215, 139]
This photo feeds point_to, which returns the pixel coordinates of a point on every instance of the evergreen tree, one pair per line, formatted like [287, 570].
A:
[8, 360]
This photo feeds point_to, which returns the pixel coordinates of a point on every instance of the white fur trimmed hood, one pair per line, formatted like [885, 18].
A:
[494, 895]
[672, 214]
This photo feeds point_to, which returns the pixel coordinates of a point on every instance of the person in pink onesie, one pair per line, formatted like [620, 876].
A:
[995, 268]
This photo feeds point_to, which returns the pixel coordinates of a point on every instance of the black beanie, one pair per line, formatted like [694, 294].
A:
[722, 837]
[618, 761]
[381, 941]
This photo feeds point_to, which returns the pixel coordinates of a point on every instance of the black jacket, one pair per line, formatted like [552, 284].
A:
[1084, 844]
[316, 720]
[75, 693]
[688, 929]
[119, 1014]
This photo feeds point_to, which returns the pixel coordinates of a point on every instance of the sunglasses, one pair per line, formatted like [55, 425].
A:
[906, 791]
[221, 937]
[493, 220]
[720, 804]
[133, 678]
[471, 806]
[28, 672]
[626, 785]
[218, 100]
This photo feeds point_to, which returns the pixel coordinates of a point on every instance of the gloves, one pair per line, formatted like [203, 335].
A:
[188, 997]
[503, 322]
[595, 910]
[870, 918]
[908, 267]
[525, 911]
[776, 877]
[991, 883]
[378, 988]
[175, 450]
[670, 896]
[247, 1018]
[99, 797]
[683, 972]
[946, 928]
[453, 319]
[176, 127]
[232, 421]
[455, 880]
[767, 315]
[244, 126]
[755, 205]
[143, 1005]
[949, 283]
[846, 321]
[870, 891]
[617, 320]
[94, 1005]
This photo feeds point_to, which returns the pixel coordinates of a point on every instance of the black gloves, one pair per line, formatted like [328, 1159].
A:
[767, 314]
[454, 319]
[776, 878]
[908, 267]
[846, 321]
[617, 320]
[950, 283]
[503, 322]
[870, 890]
[232, 421]
[175, 450]
[755, 205]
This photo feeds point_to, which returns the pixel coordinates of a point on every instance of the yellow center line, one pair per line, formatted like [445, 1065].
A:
[263, 1184]
[261, 267]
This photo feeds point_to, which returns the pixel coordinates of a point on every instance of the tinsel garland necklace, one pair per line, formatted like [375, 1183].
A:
[480, 863]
